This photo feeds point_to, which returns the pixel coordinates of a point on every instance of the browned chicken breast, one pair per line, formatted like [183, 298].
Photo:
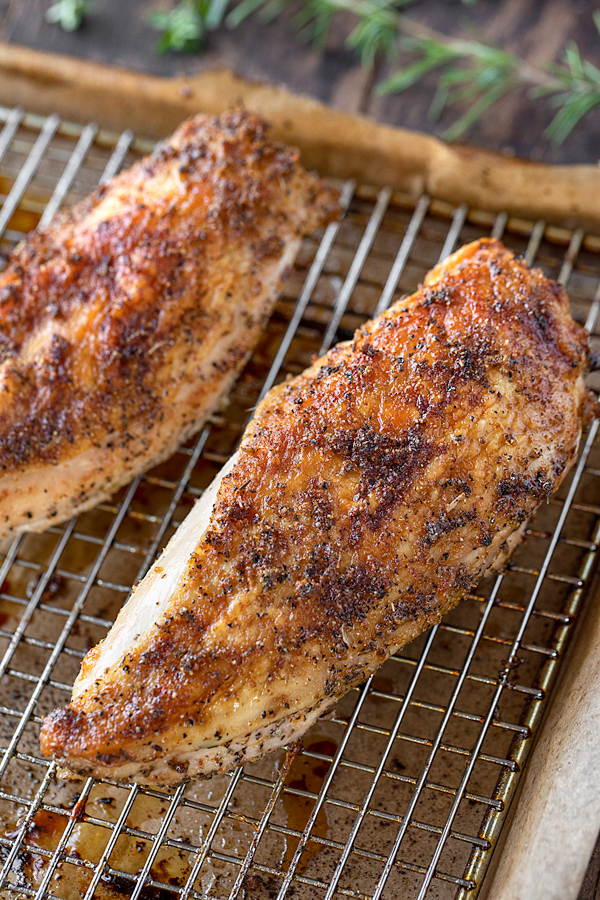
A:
[368, 496]
[125, 321]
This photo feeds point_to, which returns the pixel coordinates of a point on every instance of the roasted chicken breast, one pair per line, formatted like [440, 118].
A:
[368, 496]
[124, 322]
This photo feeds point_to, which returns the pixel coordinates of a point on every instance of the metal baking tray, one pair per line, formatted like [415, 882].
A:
[403, 791]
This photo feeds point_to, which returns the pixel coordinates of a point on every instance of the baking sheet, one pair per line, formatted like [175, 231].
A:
[62, 589]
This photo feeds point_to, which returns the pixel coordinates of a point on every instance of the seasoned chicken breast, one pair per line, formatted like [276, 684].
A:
[368, 496]
[125, 321]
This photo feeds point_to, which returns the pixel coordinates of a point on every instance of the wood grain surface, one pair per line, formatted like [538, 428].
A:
[118, 33]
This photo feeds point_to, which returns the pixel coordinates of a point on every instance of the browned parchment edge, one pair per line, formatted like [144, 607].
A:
[336, 143]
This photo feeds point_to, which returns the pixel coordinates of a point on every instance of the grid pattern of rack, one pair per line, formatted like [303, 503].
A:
[404, 789]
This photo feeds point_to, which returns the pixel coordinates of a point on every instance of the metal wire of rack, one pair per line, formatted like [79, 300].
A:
[404, 789]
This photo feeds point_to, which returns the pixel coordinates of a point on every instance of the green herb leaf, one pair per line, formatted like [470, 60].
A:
[69, 14]
[573, 107]
[182, 29]
[242, 10]
[475, 112]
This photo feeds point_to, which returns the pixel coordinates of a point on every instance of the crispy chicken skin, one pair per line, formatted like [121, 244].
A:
[125, 321]
[368, 496]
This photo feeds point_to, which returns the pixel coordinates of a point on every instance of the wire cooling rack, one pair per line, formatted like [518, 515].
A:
[403, 790]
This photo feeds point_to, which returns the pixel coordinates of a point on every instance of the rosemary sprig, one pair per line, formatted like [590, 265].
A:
[476, 72]
[575, 90]
[470, 73]
[374, 35]
[185, 26]
[69, 14]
